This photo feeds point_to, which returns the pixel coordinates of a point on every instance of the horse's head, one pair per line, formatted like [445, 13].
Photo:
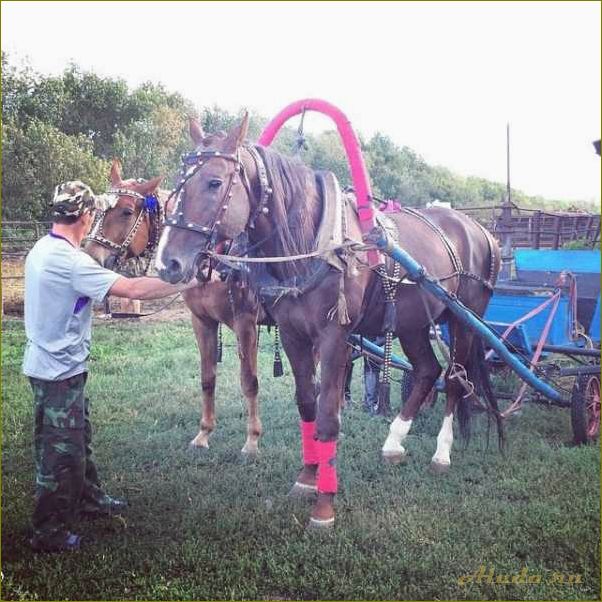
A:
[212, 202]
[131, 222]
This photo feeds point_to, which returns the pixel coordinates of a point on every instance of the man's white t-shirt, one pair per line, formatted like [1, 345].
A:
[61, 282]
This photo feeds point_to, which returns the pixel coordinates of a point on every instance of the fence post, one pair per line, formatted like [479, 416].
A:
[558, 224]
[536, 229]
[505, 232]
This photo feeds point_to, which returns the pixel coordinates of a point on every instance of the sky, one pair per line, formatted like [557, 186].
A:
[442, 78]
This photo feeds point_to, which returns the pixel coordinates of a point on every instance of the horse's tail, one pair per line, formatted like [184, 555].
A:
[477, 372]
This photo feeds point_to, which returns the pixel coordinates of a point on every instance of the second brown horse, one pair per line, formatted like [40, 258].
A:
[128, 229]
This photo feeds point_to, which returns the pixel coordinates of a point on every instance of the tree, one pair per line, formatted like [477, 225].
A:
[153, 145]
[327, 153]
[36, 159]
[68, 126]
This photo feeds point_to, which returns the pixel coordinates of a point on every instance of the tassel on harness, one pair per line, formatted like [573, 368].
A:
[342, 312]
[278, 369]
[384, 380]
[219, 344]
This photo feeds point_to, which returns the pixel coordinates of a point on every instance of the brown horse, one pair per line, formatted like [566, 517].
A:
[316, 303]
[128, 230]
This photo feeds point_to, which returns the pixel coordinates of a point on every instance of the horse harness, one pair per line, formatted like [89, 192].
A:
[192, 163]
[156, 225]
[458, 268]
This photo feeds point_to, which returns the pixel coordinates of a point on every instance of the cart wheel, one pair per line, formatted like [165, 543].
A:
[585, 408]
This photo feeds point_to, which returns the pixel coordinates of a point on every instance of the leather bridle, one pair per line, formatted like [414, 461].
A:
[191, 164]
[120, 250]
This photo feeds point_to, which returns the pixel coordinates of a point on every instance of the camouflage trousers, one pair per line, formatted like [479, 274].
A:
[66, 477]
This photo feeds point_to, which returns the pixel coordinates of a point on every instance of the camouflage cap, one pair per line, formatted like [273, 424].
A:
[72, 199]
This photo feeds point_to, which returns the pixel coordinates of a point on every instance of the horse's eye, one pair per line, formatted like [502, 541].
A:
[128, 212]
[215, 183]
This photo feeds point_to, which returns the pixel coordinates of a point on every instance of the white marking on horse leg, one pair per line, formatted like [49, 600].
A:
[161, 247]
[398, 431]
[250, 447]
[201, 440]
[445, 438]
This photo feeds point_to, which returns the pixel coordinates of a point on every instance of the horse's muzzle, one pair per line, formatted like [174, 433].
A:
[172, 272]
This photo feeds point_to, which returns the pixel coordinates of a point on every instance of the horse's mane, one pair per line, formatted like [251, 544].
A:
[294, 209]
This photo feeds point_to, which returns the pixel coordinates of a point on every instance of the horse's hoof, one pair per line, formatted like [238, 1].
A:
[439, 468]
[303, 491]
[198, 446]
[320, 524]
[249, 455]
[395, 457]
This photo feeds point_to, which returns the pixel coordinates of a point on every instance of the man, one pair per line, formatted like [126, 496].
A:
[61, 282]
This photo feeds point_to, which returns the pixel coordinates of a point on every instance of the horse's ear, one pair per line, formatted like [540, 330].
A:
[237, 136]
[116, 173]
[196, 131]
[150, 186]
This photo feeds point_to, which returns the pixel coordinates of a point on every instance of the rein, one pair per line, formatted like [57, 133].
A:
[232, 260]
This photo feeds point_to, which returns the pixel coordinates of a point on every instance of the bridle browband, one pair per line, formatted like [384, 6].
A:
[192, 163]
[156, 219]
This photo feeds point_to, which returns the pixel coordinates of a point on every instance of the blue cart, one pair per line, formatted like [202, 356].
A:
[542, 333]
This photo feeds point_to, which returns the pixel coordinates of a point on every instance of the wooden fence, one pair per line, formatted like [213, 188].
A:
[528, 228]
[546, 230]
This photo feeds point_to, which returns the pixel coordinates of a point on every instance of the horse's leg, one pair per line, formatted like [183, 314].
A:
[302, 358]
[333, 360]
[245, 327]
[417, 347]
[205, 331]
[461, 344]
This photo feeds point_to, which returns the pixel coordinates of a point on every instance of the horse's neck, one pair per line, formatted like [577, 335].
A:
[266, 237]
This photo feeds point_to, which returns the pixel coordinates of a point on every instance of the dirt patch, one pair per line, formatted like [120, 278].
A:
[13, 285]
[13, 289]
[169, 309]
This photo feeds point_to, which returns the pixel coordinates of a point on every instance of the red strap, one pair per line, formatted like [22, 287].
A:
[308, 442]
[327, 470]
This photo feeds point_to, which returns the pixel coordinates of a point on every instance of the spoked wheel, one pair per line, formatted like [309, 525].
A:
[585, 408]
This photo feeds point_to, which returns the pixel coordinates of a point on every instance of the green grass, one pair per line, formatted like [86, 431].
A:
[210, 526]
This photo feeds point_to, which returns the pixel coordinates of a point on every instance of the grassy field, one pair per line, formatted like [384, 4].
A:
[210, 526]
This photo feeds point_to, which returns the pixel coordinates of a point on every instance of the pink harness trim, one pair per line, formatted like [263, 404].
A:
[308, 442]
[327, 470]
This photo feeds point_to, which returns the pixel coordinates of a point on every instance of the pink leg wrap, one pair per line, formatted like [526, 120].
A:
[308, 443]
[327, 471]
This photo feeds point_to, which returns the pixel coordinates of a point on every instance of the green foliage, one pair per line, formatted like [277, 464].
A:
[581, 243]
[35, 159]
[153, 145]
[98, 118]
[326, 152]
